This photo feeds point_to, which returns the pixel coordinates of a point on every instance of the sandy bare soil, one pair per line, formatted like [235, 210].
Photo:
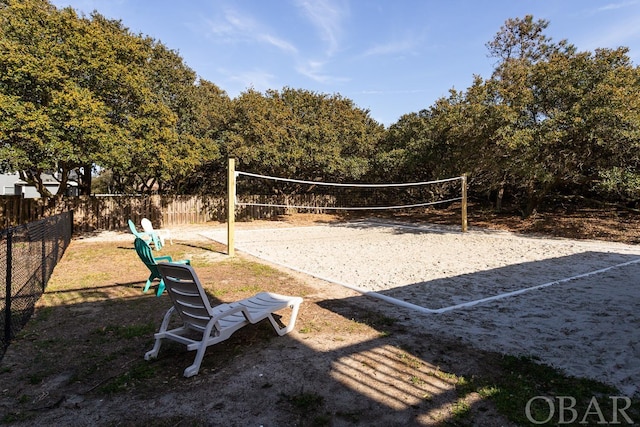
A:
[498, 291]
[353, 359]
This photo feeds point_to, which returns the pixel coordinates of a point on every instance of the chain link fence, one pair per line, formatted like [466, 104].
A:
[28, 255]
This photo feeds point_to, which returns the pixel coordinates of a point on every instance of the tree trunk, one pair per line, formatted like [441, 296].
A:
[499, 196]
[84, 180]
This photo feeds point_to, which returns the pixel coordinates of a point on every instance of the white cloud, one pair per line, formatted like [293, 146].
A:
[392, 48]
[235, 27]
[614, 6]
[327, 17]
[314, 71]
[281, 44]
[621, 33]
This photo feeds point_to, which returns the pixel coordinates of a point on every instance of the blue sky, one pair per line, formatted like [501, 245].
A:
[391, 57]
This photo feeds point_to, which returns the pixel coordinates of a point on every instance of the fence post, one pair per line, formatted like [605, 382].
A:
[44, 259]
[7, 305]
[464, 203]
[71, 219]
[231, 206]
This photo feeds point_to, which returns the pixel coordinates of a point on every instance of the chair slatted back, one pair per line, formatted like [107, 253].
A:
[144, 252]
[148, 228]
[133, 229]
[186, 293]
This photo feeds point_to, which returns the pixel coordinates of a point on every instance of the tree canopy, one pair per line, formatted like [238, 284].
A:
[549, 119]
[83, 94]
[78, 93]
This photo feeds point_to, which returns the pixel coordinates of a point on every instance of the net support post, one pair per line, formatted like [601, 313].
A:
[464, 203]
[231, 206]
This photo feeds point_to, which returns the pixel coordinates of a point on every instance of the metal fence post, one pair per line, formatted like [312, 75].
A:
[44, 259]
[7, 305]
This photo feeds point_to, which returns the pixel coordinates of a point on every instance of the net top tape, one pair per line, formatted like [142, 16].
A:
[299, 181]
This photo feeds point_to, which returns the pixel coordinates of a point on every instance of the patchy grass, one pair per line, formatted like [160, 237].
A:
[93, 325]
[522, 378]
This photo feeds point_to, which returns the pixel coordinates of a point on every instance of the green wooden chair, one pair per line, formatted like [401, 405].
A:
[144, 252]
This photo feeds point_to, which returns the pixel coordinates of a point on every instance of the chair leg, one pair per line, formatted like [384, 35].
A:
[292, 321]
[148, 284]
[153, 353]
[160, 288]
[195, 367]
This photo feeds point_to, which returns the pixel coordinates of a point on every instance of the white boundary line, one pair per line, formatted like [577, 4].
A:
[532, 288]
[426, 310]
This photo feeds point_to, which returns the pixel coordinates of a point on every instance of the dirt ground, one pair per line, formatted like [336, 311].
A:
[350, 360]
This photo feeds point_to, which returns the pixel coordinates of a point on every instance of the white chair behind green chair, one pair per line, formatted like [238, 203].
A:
[161, 235]
[149, 238]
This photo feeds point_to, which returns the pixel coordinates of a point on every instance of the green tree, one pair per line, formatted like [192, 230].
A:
[567, 116]
[80, 93]
[302, 134]
[204, 123]
[53, 113]
[550, 120]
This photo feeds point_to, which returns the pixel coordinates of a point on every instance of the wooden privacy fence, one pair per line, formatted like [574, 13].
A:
[112, 212]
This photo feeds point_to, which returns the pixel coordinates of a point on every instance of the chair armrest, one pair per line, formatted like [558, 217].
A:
[169, 259]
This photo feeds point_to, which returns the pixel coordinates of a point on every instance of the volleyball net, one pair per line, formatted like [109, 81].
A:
[316, 196]
[262, 196]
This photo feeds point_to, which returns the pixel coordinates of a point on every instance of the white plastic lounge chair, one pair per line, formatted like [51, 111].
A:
[160, 235]
[218, 323]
